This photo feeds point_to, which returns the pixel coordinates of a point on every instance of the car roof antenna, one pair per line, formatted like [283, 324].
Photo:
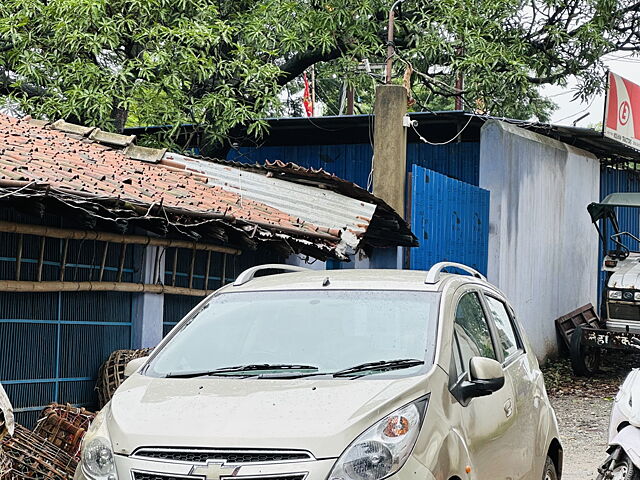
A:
[326, 282]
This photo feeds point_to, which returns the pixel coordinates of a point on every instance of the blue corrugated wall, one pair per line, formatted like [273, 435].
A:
[450, 219]
[614, 180]
[353, 162]
[52, 344]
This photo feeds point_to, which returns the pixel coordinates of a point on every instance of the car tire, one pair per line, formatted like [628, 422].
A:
[585, 360]
[549, 470]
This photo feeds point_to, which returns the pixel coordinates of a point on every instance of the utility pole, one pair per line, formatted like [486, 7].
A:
[390, 134]
[459, 85]
[350, 100]
[391, 48]
[389, 162]
[459, 88]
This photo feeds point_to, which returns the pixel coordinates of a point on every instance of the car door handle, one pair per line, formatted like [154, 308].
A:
[508, 408]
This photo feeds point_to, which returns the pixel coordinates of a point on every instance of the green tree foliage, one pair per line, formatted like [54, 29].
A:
[226, 64]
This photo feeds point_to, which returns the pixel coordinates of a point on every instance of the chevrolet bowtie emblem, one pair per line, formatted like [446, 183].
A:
[214, 470]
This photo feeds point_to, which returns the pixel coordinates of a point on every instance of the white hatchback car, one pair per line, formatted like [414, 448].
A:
[334, 375]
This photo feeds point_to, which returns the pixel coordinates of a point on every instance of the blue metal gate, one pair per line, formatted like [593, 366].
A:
[450, 219]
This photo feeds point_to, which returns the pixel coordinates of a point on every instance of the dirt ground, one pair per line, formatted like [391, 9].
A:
[583, 426]
[583, 407]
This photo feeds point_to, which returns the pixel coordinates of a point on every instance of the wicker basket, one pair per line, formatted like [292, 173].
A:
[111, 373]
[64, 426]
[5, 466]
[33, 457]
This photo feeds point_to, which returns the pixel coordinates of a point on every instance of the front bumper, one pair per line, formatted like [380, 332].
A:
[130, 468]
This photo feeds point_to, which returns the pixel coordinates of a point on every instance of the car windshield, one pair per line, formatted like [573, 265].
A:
[304, 332]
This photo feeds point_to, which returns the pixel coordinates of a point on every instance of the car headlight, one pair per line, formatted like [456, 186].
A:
[98, 462]
[636, 296]
[384, 448]
[615, 294]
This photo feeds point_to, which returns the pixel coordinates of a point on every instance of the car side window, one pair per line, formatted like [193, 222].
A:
[472, 330]
[507, 338]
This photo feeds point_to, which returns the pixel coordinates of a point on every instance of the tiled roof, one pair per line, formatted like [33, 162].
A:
[72, 160]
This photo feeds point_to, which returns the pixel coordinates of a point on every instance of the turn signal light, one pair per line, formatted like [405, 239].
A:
[396, 427]
[610, 263]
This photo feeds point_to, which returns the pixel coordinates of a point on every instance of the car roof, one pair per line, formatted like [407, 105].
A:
[366, 279]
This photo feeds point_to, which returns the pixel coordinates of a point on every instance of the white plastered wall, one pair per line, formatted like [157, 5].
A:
[543, 249]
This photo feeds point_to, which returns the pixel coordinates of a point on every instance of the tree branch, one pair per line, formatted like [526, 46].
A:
[297, 64]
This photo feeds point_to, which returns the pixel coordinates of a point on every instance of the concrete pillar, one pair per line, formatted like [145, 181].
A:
[390, 146]
[149, 307]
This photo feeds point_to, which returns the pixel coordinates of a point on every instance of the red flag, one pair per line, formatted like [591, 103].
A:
[306, 97]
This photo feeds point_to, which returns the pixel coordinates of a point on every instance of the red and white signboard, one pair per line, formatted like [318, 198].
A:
[622, 112]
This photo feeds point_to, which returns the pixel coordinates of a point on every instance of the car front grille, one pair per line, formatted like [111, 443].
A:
[621, 311]
[195, 455]
[156, 476]
[160, 476]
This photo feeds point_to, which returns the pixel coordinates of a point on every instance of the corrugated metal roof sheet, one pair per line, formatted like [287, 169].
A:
[312, 206]
[203, 198]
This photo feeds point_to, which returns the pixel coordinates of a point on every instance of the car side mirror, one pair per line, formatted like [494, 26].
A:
[134, 365]
[485, 377]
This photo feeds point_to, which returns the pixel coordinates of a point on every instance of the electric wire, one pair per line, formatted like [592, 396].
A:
[422, 139]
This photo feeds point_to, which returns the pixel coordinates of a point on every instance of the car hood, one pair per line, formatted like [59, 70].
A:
[626, 274]
[322, 416]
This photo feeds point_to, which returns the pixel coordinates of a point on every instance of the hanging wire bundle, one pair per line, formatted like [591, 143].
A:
[111, 374]
[64, 426]
[33, 457]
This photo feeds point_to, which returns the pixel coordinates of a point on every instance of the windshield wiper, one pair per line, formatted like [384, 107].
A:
[381, 366]
[240, 369]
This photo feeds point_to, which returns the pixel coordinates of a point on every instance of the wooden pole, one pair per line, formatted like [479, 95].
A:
[103, 262]
[63, 263]
[19, 257]
[224, 270]
[64, 233]
[192, 267]
[175, 267]
[350, 100]
[206, 271]
[41, 258]
[26, 286]
[123, 256]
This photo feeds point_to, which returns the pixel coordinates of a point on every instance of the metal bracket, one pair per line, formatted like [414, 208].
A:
[250, 273]
[433, 276]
